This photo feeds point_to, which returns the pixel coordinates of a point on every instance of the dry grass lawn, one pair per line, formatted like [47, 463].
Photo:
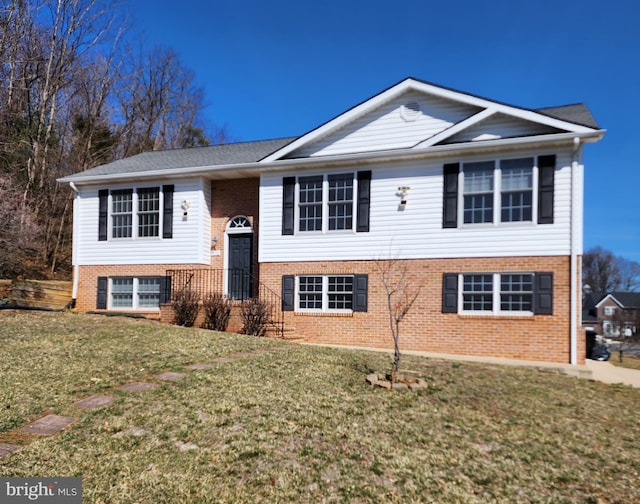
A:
[273, 421]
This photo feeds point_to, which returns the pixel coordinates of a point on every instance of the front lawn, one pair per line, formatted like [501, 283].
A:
[273, 421]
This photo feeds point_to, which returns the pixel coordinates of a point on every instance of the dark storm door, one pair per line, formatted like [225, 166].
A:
[240, 253]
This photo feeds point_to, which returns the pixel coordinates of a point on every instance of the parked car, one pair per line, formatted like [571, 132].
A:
[600, 353]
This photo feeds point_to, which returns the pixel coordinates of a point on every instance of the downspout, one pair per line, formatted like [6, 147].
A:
[74, 258]
[576, 247]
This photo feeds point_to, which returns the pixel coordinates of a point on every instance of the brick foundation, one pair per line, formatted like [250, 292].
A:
[425, 327]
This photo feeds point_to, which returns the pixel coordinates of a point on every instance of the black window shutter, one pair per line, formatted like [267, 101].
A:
[360, 293]
[450, 293]
[543, 304]
[450, 195]
[546, 174]
[364, 201]
[165, 289]
[103, 212]
[101, 301]
[167, 218]
[288, 204]
[288, 292]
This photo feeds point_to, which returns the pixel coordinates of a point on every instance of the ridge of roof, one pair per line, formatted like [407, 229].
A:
[625, 299]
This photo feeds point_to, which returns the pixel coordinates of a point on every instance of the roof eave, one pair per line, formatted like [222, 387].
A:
[257, 168]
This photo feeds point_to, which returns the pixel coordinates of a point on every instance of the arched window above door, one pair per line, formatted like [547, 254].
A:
[239, 224]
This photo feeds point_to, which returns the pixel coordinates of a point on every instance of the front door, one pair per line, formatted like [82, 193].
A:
[240, 273]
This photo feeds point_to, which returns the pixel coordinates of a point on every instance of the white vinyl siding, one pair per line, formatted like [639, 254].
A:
[415, 230]
[190, 242]
[386, 128]
[499, 126]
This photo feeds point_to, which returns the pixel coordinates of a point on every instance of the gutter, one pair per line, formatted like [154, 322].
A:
[258, 167]
[74, 245]
[575, 246]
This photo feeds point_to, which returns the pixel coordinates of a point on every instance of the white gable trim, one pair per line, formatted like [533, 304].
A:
[413, 85]
[612, 298]
[456, 128]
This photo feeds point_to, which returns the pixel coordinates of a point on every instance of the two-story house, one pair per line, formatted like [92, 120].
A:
[612, 314]
[481, 201]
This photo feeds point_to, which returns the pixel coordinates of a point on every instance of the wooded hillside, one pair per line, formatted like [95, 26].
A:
[77, 89]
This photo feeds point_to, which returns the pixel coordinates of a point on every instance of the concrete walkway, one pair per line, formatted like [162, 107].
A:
[608, 373]
[593, 370]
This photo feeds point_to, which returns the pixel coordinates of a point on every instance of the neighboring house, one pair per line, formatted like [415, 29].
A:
[612, 314]
[482, 201]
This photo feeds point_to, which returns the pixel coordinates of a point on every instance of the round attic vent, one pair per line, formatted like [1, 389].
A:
[410, 111]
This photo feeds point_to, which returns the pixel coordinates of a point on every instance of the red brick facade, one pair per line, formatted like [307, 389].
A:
[426, 327]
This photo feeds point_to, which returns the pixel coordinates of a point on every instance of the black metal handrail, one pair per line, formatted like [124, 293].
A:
[242, 287]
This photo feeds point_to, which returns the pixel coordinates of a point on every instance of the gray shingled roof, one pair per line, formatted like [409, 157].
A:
[577, 113]
[215, 155]
[252, 152]
[626, 299]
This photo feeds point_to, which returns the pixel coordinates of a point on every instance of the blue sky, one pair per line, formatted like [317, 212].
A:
[281, 68]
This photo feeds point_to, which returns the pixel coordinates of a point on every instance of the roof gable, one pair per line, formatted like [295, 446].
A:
[415, 114]
[629, 300]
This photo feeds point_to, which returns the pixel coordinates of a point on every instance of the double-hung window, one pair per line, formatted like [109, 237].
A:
[325, 292]
[516, 292]
[478, 192]
[135, 213]
[326, 203]
[499, 191]
[497, 292]
[310, 197]
[477, 292]
[135, 293]
[513, 293]
[516, 180]
[340, 201]
[149, 212]
[341, 293]
[122, 213]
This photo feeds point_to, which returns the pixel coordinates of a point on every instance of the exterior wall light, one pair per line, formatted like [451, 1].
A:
[402, 192]
[185, 208]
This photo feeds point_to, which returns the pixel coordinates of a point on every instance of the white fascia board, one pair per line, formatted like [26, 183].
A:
[609, 296]
[255, 169]
[456, 128]
[413, 85]
[528, 115]
[342, 119]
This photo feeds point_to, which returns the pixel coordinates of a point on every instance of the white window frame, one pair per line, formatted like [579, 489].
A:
[324, 294]
[136, 293]
[609, 311]
[497, 193]
[325, 204]
[135, 213]
[611, 329]
[496, 301]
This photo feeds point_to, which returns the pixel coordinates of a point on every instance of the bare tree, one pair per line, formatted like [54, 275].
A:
[71, 99]
[401, 293]
[19, 233]
[605, 272]
[160, 104]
